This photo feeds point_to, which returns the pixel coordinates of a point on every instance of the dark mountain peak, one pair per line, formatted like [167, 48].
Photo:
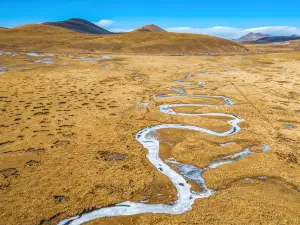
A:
[79, 25]
[77, 19]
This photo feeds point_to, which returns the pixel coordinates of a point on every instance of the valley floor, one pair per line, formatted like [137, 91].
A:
[68, 126]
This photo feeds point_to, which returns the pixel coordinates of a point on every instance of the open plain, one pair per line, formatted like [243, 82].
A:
[68, 125]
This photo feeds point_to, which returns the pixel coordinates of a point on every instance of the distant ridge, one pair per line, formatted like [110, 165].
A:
[274, 39]
[150, 28]
[79, 25]
[251, 37]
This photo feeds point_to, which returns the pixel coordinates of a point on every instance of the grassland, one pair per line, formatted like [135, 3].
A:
[67, 132]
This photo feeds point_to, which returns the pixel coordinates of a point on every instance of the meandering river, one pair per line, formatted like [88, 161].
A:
[147, 138]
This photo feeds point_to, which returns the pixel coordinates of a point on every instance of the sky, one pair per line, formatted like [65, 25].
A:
[228, 19]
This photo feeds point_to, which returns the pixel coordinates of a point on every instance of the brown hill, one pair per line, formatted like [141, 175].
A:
[38, 37]
[150, 28]
[79, 25]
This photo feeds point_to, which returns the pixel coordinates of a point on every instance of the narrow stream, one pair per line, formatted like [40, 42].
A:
[147, 138]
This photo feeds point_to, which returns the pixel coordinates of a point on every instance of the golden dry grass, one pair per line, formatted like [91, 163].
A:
[60, 125]
[275, 47]
[48, 38]
[149, 28]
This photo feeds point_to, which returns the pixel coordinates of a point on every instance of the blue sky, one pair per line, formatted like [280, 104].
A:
[221, 18]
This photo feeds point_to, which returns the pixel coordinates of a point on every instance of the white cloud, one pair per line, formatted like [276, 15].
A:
[232, 32]
[104, 23]
[276, 30]
[220, 31]
[215, 31]
[120, 30]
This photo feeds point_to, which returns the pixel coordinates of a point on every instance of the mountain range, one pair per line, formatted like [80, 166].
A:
[48, 38]
[274, 39]
[84, 26]
[251, 37]
[259, 38]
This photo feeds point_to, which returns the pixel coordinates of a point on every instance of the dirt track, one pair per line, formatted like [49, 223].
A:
[67, 138]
